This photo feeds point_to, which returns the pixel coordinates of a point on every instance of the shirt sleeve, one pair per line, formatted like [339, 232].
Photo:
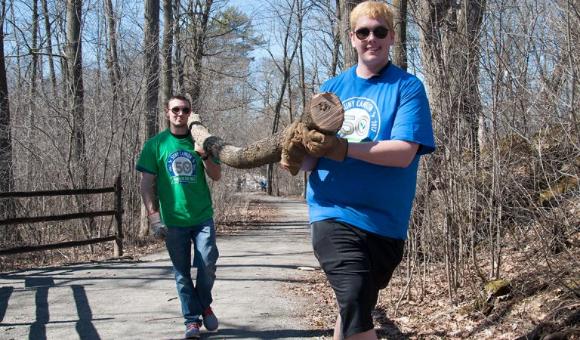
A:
[147, 161]
[413, 120]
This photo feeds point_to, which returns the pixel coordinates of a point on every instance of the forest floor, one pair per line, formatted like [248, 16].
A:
[540, 299]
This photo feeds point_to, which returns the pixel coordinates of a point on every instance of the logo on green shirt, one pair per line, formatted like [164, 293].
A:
[181, 166]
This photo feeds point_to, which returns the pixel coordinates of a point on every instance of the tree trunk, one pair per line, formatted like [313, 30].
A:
[450, 56]
[64, 63]
[75, 88]
[178, 61]
[400, 22]
[450, 52]
[336, 38]
[48, 31]
[112, 60]
[34, 52]
[18, 58]
[151, 71]
[350, 56]
[285, 69]
[79, 168]
[301, 14]
[193, 69]
[6, 175]
[166, 53]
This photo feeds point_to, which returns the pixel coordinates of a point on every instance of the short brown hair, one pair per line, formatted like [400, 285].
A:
[374, 10]
[177, 96]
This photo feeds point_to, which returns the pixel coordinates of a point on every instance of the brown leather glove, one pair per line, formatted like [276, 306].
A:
[318, 144]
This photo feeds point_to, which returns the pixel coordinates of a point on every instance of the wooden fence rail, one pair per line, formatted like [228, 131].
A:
[117, 213]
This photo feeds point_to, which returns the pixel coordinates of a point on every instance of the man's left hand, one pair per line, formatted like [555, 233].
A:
[318, 144]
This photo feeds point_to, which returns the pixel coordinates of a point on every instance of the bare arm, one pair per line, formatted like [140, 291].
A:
[213, 170]
[393, 153]
[149, 192]
[309, 163]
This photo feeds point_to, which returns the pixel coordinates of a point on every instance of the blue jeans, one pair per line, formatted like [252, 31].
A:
[194, 298]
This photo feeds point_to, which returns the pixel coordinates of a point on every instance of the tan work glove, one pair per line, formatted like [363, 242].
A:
[158, 229]
[292, 148]
[318, 144]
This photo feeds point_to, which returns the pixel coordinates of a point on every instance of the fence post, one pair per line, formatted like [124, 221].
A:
[118, 248]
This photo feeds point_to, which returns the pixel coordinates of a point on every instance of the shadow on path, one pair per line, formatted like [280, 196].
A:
[232, 333]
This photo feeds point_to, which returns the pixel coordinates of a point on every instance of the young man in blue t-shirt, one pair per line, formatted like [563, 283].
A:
[361, 191]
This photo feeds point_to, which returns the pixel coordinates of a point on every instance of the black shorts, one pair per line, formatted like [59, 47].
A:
[357, 264]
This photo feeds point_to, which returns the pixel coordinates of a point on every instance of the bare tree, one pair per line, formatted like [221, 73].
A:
[178, 49]
[112, 60]
[48, 30]
[151, 66]
[6, 175]
[33, 89]
[166, 51]
[400, 22]
[198, 14]
[350, 56]
[76, 90]
[450, 52]
[289, 50]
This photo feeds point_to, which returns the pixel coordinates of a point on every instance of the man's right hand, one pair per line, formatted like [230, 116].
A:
[158, 229]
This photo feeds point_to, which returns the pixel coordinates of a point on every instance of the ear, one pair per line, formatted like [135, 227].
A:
[391, 37]
[352, 38]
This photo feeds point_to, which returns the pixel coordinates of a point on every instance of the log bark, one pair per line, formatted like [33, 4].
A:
[326, 115]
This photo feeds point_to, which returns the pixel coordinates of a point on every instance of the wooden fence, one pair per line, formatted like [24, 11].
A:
[118, 213]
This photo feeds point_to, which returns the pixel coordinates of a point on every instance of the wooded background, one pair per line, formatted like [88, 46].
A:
[82, 86]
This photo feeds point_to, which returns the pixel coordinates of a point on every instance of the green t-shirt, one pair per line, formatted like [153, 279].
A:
[184, 197]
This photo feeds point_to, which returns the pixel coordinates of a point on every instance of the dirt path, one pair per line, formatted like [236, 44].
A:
[137, 299]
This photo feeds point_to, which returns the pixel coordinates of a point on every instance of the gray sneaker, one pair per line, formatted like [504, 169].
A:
[210, 321]
[192, 330]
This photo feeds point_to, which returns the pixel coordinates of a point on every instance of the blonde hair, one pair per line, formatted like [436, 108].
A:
[373, 10]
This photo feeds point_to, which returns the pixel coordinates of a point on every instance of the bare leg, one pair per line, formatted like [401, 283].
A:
[338, 329]
[368, 335]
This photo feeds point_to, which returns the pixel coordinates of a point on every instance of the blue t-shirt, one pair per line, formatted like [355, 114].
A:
[390, 106]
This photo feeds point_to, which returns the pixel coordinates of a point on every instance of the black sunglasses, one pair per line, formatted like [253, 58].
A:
[380, 32]
[176, 110]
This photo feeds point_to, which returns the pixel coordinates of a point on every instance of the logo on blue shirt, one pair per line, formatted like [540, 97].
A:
[361, 120]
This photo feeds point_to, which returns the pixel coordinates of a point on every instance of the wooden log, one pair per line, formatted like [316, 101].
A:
[326, 115]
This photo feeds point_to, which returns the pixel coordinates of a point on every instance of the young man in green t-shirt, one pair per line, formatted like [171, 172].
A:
[179, 208]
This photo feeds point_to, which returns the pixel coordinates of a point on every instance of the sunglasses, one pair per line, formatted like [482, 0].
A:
[184, 110]
[380, 32]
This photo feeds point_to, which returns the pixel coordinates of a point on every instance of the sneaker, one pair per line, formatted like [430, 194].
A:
[210, 321]
[192, 330]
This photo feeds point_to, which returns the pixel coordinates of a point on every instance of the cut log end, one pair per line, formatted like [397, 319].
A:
[326, 113]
